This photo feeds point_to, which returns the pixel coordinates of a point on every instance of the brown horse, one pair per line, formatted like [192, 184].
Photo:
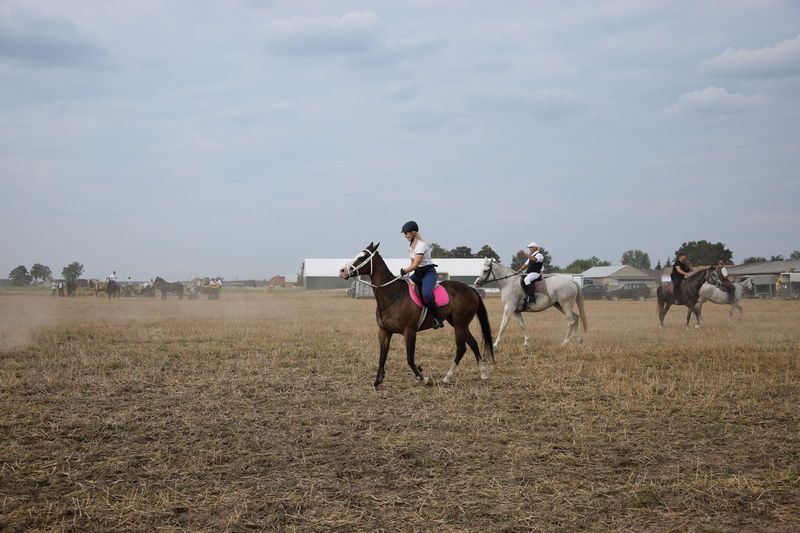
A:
[397, 313]
[168, 286]
[689, 292]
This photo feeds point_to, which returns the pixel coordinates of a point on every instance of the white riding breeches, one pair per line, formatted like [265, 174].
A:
[533, 276]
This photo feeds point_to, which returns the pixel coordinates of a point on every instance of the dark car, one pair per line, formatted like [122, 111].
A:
[595, 292]
[630, 291]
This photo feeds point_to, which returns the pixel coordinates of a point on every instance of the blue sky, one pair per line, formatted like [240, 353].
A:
[183, 138]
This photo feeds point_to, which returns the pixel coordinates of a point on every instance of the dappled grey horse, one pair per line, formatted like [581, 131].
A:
[560, 292]
[712, 293]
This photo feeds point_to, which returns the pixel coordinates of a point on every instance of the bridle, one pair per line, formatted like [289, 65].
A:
[352, 271]
[485, 279]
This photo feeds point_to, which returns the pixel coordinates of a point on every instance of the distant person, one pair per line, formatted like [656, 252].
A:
[113, 276]
[533, 268]
[680, 270]
[422, 268]
[53, 286]
[725, 283]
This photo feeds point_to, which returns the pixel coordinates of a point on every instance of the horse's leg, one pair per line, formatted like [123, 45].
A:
[384, 338]
[411, 343]
[521, 322]
[503, 324]
[473, 345]
[461, 348]
[463, 336]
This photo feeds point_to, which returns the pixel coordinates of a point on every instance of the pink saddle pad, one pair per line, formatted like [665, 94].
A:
[439, 294]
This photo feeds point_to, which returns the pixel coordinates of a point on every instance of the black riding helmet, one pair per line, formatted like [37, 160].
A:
[409, 226]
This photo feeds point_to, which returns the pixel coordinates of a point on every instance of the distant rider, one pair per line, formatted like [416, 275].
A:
[680, 270]
[423, 268]
[533, 268]
[725, 283]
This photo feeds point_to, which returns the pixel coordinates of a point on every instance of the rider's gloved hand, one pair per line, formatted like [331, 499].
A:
[402, 272]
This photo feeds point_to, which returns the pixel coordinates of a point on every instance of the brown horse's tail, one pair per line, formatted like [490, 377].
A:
[661, 300]
[486, 328]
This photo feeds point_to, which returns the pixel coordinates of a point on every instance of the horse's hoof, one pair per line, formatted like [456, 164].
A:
[425, 381]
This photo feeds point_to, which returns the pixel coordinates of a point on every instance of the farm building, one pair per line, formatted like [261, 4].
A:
[321, 274]
[616, 276]
[765, 275]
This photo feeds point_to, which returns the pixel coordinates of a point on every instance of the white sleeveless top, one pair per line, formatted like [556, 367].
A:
[421, 248]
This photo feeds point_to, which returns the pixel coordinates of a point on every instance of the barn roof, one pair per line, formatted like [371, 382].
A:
[316, 267]
[615, 271]
[768, 267]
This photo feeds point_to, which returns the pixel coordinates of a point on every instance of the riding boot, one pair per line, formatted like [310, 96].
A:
[530, 291]
[433, 310]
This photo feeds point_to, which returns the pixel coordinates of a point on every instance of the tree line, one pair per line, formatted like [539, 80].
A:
[700, 252]
[21, 276]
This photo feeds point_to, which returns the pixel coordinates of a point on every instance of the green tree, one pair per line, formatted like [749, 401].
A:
[72, 271]
[755, 259]
[461, 252]
[439, 251]
[705, 253]
[582, 265]
[795, 256]
[777, 258]
[487, 251]
[668, 263]
[40, 271]
[20, 277]
[658, 265]
[300, 274]
[637, 259]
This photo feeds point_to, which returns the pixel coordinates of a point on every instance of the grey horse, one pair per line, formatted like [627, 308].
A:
[712, 293]
[560, 292]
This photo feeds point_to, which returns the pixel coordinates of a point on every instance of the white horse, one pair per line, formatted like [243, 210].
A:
[560, 292]
[712, 293]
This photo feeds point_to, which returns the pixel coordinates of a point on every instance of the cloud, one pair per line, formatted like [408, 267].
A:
[45, 41]
[353, 33]
[780, 60]
[714, 101]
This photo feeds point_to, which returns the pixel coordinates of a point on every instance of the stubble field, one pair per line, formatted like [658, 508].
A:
[256, 412]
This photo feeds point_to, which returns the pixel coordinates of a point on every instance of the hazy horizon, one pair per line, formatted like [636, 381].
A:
[238, 138]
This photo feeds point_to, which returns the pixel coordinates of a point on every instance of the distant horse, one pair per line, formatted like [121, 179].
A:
[711, 293]
[98, 286]
[112, 288]
[557, 291]
[168, 286]
[689, 292]
[397, 313]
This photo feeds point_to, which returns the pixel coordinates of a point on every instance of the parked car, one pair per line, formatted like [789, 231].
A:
[595, 292]
[630, 291]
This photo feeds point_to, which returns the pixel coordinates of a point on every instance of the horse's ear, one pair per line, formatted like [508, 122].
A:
[376, 246]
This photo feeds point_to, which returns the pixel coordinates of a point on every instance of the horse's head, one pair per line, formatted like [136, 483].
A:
[747, 283]
[486, 272]
[361, 265]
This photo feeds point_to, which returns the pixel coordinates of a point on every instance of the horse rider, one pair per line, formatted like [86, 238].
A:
[533, 268]
[680, 270]
[725, 283]
[423, 268]
[112, 276]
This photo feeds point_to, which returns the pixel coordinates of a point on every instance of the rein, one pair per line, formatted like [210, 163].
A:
[494, 276]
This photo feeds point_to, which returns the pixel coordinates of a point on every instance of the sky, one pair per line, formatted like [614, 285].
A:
[236, 138]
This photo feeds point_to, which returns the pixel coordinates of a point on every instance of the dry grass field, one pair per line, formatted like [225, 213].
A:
[256, 412]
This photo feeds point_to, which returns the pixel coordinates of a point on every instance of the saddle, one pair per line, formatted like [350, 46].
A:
[538, 285]
[439, 294]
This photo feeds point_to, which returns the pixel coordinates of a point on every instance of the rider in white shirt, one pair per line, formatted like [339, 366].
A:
[113, 276]
[422, 269]
[533, 267]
